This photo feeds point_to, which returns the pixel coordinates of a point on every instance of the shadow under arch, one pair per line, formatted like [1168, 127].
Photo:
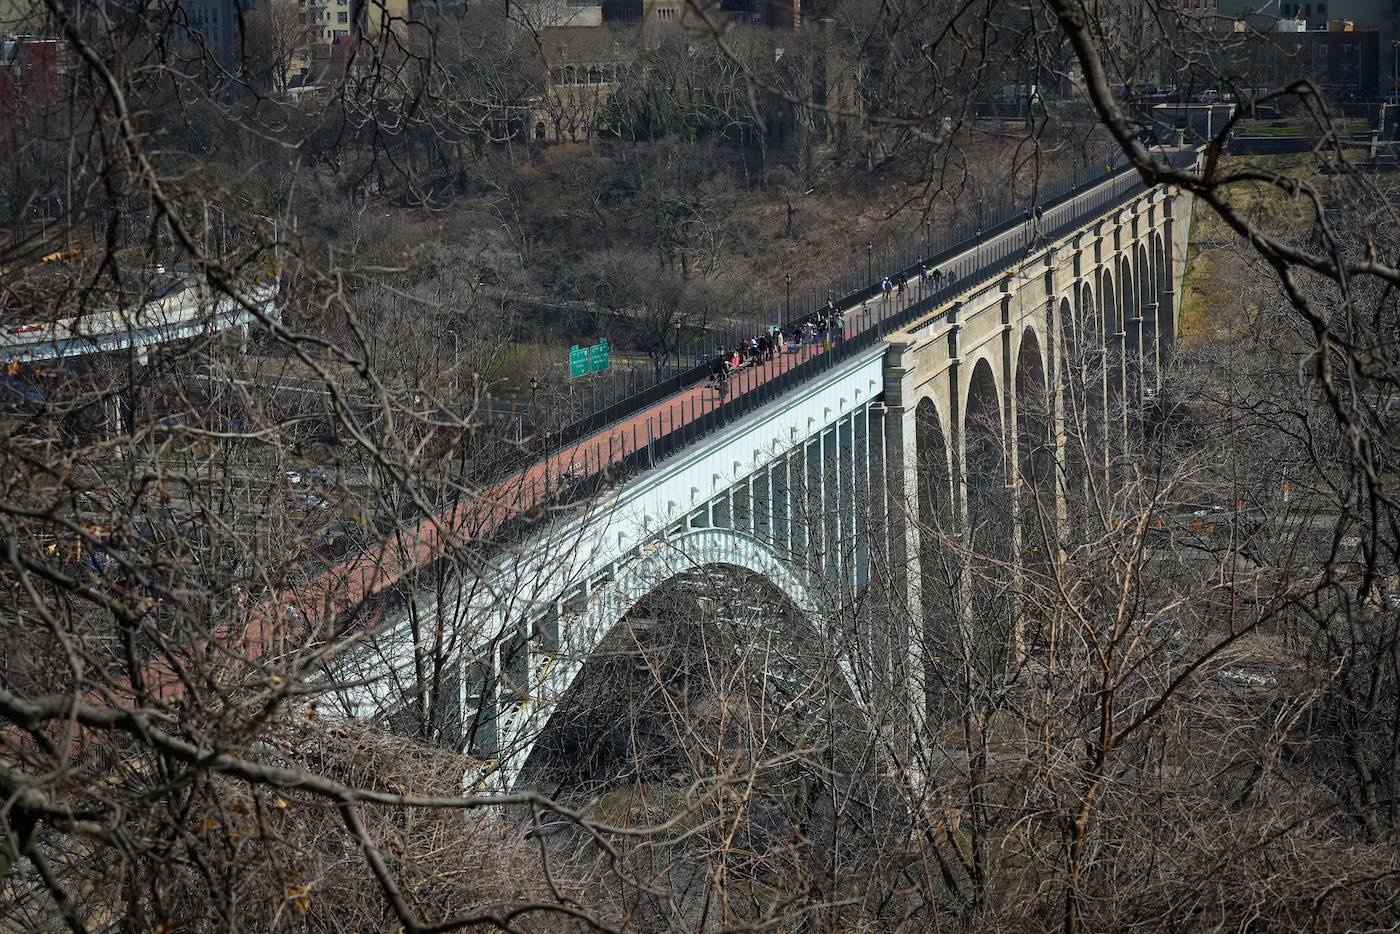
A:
[1166, 310]
[940, 565]
[990, 519]
[1073, 415]
[1112, 357]
[1147, 310]
[615, 705]
[714, 676]
[1035, 461]
[1091, 382]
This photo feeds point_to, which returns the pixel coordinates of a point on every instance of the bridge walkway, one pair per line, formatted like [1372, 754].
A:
[637, 441]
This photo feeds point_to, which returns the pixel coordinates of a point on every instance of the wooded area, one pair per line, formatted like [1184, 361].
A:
[1174, 703]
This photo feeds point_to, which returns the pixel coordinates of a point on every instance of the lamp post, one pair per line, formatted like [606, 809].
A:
[534, 405]
[869, 263]
[787, 279]
[1395, 67]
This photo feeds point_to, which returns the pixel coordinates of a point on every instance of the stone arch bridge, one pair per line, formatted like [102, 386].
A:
[1016, 384]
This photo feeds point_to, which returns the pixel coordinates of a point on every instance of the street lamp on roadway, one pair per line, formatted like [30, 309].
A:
[869, 263]
[787, 278]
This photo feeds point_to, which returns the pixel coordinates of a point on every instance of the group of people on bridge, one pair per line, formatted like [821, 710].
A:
[818, 328]
[935, 277]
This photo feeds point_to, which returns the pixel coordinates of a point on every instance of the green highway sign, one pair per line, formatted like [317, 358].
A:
[599, 357]
[585, 360]
[578, 361]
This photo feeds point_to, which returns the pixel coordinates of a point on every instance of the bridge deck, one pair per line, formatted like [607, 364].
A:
[683, 418]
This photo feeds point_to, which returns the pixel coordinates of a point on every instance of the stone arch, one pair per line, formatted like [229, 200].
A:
[1072, 413]
[1112, 362]
[987, 639]
[1147, 307]
[1127, 281]
[940, 568]
[1034, 454]
[1166, 310]
[630, 584]
[1090, 383]
[1089, 321]
[1130, 348]
[935, 467]
[1144, 281]
[1108, 295]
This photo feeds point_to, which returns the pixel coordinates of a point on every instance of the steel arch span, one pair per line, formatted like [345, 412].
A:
[659, 563]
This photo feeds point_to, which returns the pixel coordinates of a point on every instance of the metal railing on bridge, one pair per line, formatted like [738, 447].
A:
[576, 468]
[567, 468]
[604, 402]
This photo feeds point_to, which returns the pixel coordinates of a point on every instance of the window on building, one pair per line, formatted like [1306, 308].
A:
[340, 33]
[539, 130]
[1322, 9]
[1307, 9]
[342, 17]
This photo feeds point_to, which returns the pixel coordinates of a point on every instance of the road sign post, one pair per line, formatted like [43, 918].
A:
[599, 357]
[578, 361]
[585, 360]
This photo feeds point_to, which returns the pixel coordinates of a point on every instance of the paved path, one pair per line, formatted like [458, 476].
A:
[523, 494]
[537, 487]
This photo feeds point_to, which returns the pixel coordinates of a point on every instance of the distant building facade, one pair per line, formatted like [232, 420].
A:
[1317, 17]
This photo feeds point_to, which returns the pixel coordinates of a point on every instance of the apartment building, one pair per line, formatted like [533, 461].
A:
[1322, 16]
